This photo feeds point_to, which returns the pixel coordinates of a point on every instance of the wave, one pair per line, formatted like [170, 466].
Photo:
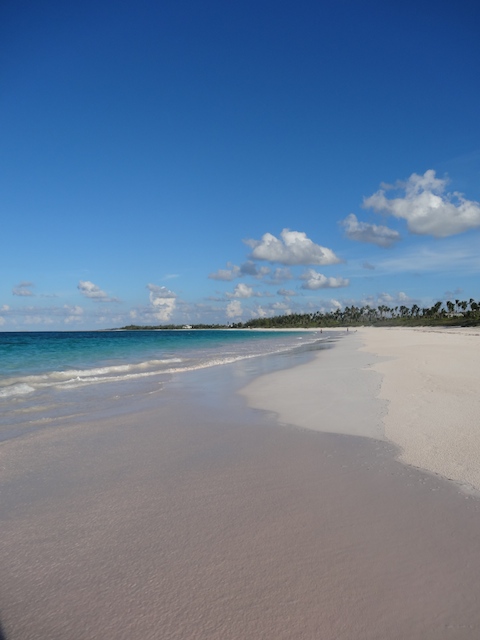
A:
[80, 381]
[18, 389]
[20, 386]
[73, 378]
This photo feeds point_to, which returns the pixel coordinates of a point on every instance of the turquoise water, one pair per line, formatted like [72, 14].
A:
[45, 376]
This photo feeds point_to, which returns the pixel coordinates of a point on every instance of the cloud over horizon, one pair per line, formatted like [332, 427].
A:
[163, 302]
[292, 248]
[93, 291]
[234, 271]
[23, 289]
[241, 290]
[314, 280]
[363, 232]
[234, 309]
[425, 206]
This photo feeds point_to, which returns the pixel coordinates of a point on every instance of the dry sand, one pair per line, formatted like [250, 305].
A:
[431, 380]
[336, 392]
[418, 388]
[196, 518]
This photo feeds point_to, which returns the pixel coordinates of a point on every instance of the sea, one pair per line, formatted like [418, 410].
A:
[52, 378]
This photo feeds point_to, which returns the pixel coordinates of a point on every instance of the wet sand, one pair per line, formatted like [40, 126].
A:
[196, 517]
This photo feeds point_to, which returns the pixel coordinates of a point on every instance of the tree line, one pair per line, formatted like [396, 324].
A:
[457, 313]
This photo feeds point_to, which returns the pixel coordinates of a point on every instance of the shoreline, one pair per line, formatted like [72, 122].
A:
[415, 387]
[431, 381]
[334, 393]
[198, 516]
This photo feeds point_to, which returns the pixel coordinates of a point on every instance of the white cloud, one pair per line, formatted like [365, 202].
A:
[259, 312]
[241, 290]
[388, 299]
[384, 298]
[75, 314]
[234, 309]
[286, 292]
[281, 306]
[292, 248]
[314, 280]
[279, 275]
[163, 302]
[369, 266]
[5, 307]
[425, 206]
[23, 289]
[93, 291]
[363, 232]
[2, 321]
[232, 272]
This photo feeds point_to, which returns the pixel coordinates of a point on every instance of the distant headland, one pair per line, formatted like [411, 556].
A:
[449, 313]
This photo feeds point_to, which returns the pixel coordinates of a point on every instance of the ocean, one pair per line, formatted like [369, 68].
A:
[49, 378]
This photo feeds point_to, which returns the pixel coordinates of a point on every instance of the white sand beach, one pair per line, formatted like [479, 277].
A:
[431, 381]
[418, 388]
[336, 392]
[195, 517]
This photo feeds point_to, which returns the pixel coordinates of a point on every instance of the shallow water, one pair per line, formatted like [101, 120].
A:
[55, 378]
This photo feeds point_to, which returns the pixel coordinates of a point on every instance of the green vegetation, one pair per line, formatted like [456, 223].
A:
[458, 313]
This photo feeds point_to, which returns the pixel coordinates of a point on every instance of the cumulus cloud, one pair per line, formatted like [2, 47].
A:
[23, 289]
[286, 292]
[163, 302]
[292, 248]
[259, 312]
[249, 268]
[230, 273]
[426, 207]
[75, 314]
[234, 271]
[241, 290]
[93, 291]
[363, 232]
[314, 280]
[73, 310]
[281, 306]
[388, 299]
[279, 275]
[234, 309]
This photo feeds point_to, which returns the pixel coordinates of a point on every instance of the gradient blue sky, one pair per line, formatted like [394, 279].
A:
[212, 161]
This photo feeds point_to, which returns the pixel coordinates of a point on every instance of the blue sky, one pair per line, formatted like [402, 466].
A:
[184, 161]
